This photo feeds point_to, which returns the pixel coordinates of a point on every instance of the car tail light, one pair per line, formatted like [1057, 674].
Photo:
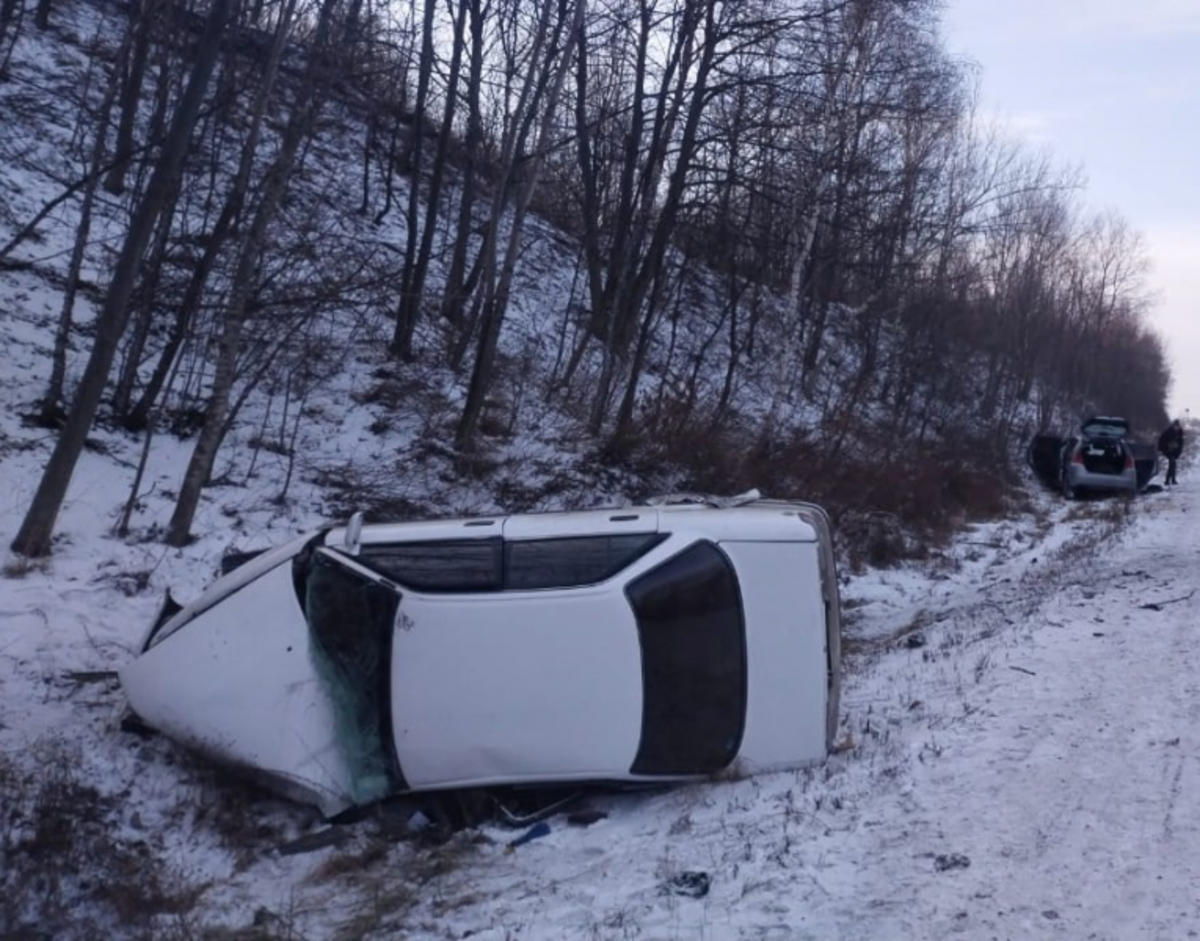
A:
[1129, 462]
[1077, 457]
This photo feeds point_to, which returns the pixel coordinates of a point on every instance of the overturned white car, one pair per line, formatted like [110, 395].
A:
[643, 644]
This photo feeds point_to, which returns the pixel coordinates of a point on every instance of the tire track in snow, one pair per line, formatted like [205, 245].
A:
[1081, 821]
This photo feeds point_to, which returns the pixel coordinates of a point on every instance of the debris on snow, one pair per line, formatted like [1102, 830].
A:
[1159, 605]
[311, 842]
[418, 822]
[535, 832]
[693, 885]
[585, 818]
[946, 861]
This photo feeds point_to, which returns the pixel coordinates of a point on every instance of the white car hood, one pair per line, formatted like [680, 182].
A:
[231, 676]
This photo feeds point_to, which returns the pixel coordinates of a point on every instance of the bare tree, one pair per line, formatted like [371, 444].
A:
[143, 17]
[33, 538]
[549, 61]
[52, 412]
[459, 284]
[416, 258]
[12, 17]
[218, 238]
[406, 314]
[300, 122]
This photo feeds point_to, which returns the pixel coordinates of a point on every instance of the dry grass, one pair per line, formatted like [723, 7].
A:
[21, 566]
[380, 884]
[70, 870]
[352, 863]
[65, 872]
[890, 503]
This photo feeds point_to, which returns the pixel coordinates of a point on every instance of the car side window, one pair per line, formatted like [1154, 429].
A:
[466, 565]
[692, 635]
[572, 561]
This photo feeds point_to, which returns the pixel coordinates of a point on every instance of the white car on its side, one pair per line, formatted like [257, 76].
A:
[647, 643]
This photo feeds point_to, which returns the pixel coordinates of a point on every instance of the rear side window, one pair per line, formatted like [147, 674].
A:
[691, 630]
[463, 566]
[574, 561]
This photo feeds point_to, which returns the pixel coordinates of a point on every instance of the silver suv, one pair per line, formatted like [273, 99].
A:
[1098, 458]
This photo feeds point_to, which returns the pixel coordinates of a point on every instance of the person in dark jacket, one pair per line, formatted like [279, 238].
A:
[1170, 445]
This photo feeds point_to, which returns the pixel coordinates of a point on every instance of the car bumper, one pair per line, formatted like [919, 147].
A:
[1082, 479]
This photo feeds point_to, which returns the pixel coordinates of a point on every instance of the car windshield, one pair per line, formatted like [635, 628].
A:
[350, 622]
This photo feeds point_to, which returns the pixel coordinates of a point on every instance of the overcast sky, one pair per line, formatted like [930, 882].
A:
[1112, 86]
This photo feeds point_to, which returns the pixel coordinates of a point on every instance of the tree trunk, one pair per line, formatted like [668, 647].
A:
[142, 312]
[389, 172]
[368, 147]
[496, 305]
[623, 426]
[12, 12]
[222, 230]
[131, 95]
[413, 282]
[456, 292]
[52, 410]
[406, 311]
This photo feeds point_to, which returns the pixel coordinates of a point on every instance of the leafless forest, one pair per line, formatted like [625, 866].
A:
[796, 255]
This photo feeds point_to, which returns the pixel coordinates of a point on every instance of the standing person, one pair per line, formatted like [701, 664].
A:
[1170, 444]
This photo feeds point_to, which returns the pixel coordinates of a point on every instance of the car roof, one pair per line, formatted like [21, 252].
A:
[759, 519]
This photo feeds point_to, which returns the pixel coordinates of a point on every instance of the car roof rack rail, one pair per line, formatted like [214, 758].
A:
[705, 499]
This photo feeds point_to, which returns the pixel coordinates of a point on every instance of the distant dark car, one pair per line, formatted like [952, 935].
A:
[1099, 457]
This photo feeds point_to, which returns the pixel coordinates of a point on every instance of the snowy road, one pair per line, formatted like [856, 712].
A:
[1072, 786]
[1009, 780]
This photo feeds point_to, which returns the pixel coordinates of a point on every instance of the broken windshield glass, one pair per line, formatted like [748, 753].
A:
[350, 621]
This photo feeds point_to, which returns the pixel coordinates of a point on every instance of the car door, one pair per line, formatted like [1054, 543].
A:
[523, 686]
[533, 679]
